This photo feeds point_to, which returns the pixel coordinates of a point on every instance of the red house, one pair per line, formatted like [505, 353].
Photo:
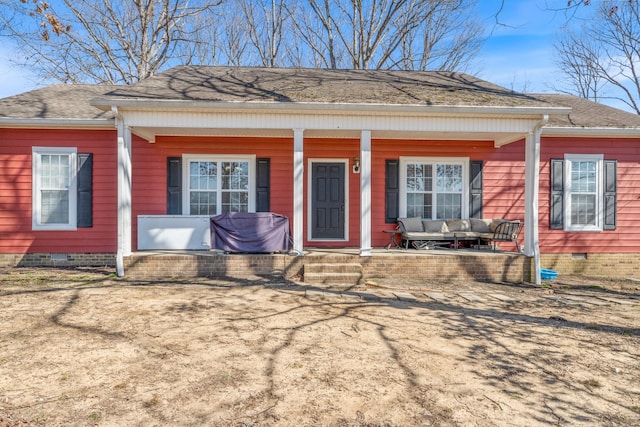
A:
[95, 174]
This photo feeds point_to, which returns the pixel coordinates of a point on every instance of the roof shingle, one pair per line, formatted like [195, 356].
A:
[588, 114]
[251, 84]
[289, 85]
[68, 102]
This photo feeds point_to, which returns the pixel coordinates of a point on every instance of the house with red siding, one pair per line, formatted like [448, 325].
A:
[95, 174]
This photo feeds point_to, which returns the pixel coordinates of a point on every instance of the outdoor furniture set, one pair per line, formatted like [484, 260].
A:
[429, 234]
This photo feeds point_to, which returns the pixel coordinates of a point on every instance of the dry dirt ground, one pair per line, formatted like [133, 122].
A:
[81, 347]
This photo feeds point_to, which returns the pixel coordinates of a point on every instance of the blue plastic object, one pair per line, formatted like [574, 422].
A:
[546, 274]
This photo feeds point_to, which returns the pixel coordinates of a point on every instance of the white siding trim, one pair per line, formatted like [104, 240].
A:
[124, 194]
[298, 191]
[365, 193]
[531, 195]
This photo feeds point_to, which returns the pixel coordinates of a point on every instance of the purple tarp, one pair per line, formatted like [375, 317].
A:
[250, 232]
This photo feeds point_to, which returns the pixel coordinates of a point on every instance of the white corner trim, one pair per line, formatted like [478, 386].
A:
[365, 193]
[298, 191]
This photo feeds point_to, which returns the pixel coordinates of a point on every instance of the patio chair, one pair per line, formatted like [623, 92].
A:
[507, 231]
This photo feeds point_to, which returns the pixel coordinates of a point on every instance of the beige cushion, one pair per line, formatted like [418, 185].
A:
[435, 226]
[422, 235]
[466, 234]
[411, 224]
[481, 225]
[459, 225]
[494, 224]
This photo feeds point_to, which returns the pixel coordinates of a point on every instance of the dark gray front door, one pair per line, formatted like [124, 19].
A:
[327, 201]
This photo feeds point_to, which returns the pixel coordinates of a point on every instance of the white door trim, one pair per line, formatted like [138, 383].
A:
[310, 163]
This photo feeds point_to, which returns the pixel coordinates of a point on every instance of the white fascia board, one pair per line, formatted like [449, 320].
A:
[133, 104]
[57, 123]
[304, 120]
[593, 132]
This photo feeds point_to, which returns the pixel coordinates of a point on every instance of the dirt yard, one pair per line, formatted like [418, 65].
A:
[85, 348]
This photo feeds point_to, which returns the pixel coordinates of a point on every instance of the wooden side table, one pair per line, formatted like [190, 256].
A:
[393, 241]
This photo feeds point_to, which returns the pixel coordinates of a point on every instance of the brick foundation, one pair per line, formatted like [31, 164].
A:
[495, 268]
[154, 265]
[397, 266]
[615, 266]
[393, 265]
[58, 260]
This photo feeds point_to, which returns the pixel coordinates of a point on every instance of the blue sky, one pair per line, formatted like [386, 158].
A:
[517, 54]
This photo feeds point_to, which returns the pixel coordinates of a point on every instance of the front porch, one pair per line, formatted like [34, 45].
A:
[335, 267]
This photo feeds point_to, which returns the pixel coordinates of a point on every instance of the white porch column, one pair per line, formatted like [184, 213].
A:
[124, 194]
[532, 182]
[298, 191]
[365, 193]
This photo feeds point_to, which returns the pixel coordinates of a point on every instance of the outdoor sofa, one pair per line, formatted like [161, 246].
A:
[441, 233]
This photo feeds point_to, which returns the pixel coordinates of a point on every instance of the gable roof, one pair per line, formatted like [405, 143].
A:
[588, 114]
[318, 86]
[56, 102]
[186, 85]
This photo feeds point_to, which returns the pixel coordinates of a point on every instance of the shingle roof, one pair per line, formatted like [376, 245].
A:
[250, 84]
[281, 85]
[69, 102]
[588, 114]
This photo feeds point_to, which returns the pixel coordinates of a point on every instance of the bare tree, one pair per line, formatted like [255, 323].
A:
[112, 42]
[40, 9]
[384, 34]
[445, 39]
[318, 31]
[266, 22]
[222, 38]
[606, 50]
[234, 42]
[122, 42]
[578, 59]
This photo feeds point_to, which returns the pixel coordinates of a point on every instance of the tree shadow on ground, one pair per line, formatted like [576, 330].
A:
[502, 345]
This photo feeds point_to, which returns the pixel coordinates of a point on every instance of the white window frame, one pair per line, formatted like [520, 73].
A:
[36, 199]
[464, 161]
[568, 159]
[188, 158]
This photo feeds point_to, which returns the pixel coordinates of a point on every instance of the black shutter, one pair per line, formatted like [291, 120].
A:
[85, 190]
[556, 204]
[475, 189]
[174, 186]
[610, 193]
[263, 184]
[392, 191]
